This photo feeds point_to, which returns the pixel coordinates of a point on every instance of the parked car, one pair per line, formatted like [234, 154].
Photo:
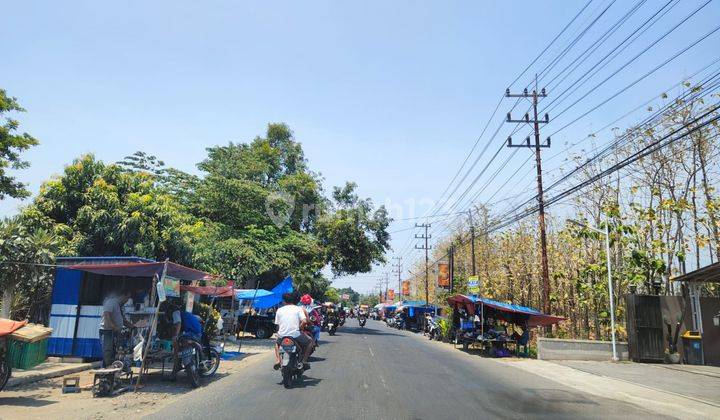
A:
[262, 326]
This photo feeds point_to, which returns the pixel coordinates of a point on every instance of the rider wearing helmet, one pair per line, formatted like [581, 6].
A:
[315, 318]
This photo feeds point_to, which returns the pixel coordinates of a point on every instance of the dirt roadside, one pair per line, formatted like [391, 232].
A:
[45, 400]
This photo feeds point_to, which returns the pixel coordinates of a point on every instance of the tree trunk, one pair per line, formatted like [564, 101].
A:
[7, 300]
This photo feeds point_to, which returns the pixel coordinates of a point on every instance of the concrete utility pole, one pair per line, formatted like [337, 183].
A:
[451, 263]
[534, 95]
[387, 284]
[398, 266]
[425, 247]
[472, 240]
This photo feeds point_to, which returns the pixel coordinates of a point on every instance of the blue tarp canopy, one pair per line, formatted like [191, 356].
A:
[241, 294]
[510, 312]
[275, 296]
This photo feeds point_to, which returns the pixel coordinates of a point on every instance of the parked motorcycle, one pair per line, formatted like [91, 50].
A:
[190, 353]
[291, 365]
[210, 361]
[433, 330]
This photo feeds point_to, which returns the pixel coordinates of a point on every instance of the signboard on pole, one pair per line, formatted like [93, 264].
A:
[406, 288]
[190, 296]
[345, 296]
[474, 285]
[443, 279]
[171, 286]
[391, 294]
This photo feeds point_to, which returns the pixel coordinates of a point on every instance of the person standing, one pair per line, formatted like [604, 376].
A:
[111, 323]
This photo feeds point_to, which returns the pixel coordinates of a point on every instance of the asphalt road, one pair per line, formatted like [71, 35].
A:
[382, 373]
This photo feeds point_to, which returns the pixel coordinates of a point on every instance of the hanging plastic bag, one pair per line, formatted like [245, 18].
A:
[137, 350]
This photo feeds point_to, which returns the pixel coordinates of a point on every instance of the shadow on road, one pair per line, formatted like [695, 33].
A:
[367, 331]
[24, 402]
[306, 382]
[316, 359]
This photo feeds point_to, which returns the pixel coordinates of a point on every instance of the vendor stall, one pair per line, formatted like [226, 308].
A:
[82, 283]
[479, 320]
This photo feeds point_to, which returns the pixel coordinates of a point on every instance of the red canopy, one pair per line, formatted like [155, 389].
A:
[141, 269]
[219, 291]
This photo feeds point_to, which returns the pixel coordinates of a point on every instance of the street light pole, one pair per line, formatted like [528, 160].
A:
[610, 289]
[606, 232]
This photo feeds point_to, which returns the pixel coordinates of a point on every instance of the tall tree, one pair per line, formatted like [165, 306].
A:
[12, 144]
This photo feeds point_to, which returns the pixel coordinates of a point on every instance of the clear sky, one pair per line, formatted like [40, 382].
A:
[389, 94]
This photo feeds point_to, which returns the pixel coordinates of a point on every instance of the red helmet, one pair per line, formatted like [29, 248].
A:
[306, 299]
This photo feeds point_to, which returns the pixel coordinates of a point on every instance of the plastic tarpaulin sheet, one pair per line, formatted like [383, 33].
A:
[275, 298]
[510, 312]
[223, 291]
[141, 269]
[8, 326]
[242, 294]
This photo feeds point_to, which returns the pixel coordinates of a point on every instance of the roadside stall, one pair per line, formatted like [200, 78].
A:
[491, 324]
[257, 313]
[414, 313]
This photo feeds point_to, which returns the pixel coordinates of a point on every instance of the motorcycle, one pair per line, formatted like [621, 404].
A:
[210, 361]
[291, 365]
[433, 330]
[190, 352]
[362, 319]
[331, 325]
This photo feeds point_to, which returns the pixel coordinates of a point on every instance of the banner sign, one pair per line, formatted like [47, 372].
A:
[190, 296]
[474, 285]
[443, 279]
[391, 294]
[171, 286]
[406, 288]
[345, 296]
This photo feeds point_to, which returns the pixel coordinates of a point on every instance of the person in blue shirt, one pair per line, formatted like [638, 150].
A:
[184, 323]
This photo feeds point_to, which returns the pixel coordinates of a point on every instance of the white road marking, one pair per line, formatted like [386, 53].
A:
[371, 352]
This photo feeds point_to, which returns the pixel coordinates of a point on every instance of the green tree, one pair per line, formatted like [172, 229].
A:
[25, 283]
[12, 144]
[332, 295]
[266, 216]
[354, 235]
[102, 209]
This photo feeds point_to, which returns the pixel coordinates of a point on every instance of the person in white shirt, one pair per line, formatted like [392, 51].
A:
[290, 319]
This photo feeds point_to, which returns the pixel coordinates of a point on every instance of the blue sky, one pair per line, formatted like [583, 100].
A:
[389, 94]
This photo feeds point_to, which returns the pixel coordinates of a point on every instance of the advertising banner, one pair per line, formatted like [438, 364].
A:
[190, 296]
[474, 285]
[171, 286]
[443, 279]
[391, 294]
[406, 288]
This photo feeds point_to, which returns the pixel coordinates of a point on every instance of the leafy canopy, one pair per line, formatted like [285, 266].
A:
[11, 145]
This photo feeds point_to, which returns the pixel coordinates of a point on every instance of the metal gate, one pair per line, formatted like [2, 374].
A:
[645, 328]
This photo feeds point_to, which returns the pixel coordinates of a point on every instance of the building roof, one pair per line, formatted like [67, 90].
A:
[708, 274]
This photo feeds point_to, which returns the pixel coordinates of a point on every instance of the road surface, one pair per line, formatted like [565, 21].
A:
[382, 373]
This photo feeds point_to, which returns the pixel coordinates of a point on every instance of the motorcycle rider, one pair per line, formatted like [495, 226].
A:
[314, 317]
[291, 319]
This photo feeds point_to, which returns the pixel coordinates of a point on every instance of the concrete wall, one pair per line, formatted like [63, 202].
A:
[561, 349]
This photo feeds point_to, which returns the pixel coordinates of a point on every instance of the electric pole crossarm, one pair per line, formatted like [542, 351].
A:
[535, 121]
